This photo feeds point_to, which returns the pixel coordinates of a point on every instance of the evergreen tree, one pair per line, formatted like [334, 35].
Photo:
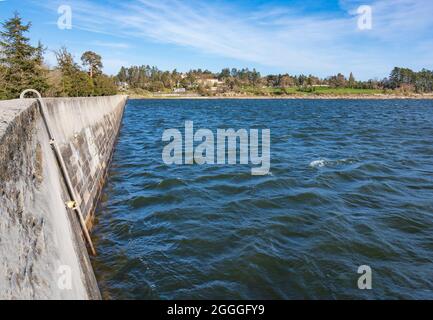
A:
[104, 86]
[22, 64]
[123, 75]
[352, 81]
[75, 82]
[93, 61]
[225, 73]
[3, 91]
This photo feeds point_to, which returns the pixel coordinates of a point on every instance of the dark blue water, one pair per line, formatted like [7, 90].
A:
[351, 184]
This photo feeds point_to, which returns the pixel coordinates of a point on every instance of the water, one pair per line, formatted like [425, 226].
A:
[351, 184]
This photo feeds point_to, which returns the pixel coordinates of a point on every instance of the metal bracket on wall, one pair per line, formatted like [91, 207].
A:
[63, 169]
[71, 205]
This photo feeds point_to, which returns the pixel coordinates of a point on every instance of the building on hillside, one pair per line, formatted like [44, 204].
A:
[209, 82]
[123, 86]
[179, 90]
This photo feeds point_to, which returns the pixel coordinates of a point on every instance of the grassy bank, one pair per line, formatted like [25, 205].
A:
[284, 93]
[309, 91]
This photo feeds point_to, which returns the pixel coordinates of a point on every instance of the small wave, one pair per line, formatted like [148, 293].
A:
[318, 163]
[325, 162]
[170, 183]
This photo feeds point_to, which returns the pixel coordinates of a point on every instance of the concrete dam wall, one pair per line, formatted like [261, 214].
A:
[43, 252]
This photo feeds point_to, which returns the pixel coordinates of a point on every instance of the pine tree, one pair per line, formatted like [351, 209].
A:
[75, 82]
[122, 76]
[93, 61]
[351, 81]
[22, 64]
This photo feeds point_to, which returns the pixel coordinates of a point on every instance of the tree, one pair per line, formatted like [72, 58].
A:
[302, 79]
[122, 75]
[104, 86]
[65, 61]
[22, 64]
[75, 83]
[352, 81]
[254, 77]
[338, 81]
[286, 81]
[3, 91]
[225, 73]
[93, 61]
[400, 76]
[424, 81]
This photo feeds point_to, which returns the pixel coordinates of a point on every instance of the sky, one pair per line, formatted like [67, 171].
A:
[320, 37]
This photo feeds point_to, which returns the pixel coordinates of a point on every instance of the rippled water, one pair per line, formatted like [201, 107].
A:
[351, 184]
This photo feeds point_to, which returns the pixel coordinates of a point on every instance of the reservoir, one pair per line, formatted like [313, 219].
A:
[350, 184]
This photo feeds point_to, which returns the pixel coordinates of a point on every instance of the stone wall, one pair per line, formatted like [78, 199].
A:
[85, 130]
[42, 250]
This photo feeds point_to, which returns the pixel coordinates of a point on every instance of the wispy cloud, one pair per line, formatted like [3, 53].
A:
[279, 36]
[113, 45]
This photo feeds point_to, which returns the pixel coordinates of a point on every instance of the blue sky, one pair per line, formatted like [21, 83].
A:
[293, 36]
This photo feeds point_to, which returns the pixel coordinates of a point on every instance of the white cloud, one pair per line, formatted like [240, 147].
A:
[113, 45]
[277, 37]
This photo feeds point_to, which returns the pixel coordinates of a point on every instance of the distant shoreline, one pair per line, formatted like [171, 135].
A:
[287, 97]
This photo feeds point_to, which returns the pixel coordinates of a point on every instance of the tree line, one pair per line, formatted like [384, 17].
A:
[154, 80]
[407, 79]
[22, 66]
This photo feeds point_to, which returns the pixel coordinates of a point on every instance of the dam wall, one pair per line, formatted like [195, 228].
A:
[43, 253]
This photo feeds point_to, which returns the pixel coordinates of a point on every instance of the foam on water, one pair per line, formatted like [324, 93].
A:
[325, 162]
[318, 163]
